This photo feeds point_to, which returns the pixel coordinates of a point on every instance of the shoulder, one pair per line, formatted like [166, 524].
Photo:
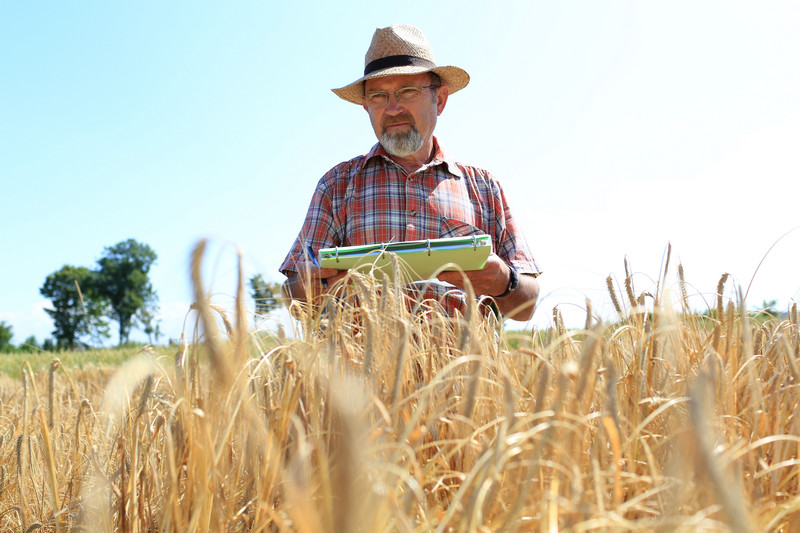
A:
[474, 171]
[462, 169]
[476, 177]
[345, 171]
[340, 176]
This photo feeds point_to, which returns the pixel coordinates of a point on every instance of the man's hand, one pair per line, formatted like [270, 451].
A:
[307, 281]
[492, 281]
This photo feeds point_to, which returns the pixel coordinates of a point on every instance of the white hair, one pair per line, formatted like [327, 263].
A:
[402, 144]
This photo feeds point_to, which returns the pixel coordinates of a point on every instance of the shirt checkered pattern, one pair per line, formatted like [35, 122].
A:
[371, 199]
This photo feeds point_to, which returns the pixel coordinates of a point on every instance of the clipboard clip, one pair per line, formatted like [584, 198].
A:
[429, 247]
[474, 243]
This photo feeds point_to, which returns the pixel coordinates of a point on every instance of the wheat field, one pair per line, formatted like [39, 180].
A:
[373, 416]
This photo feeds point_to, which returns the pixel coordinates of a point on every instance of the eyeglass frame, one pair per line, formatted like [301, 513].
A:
[394, 93]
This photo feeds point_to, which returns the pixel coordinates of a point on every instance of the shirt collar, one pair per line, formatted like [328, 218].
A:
[440, 156]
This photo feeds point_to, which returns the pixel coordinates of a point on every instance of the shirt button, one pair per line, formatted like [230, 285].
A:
[413, 213]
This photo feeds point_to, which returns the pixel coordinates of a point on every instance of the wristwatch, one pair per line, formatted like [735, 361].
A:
[513, 281]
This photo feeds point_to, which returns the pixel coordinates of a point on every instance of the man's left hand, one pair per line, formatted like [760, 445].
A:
[493, 280]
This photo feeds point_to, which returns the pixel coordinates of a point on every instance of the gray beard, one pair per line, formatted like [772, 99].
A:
[402, 144]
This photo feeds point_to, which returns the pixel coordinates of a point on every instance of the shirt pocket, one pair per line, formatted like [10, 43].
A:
[452, 227]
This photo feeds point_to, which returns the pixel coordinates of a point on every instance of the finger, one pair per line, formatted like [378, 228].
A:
[308, 269]
[453, 278]
[329, 272]
[338, 274]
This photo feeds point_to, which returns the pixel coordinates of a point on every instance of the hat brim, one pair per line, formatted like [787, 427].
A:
[455, 78]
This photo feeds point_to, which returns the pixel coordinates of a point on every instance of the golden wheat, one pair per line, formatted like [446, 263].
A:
[379, 416]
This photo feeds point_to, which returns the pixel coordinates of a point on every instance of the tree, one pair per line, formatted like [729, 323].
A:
[77, 309]
[147, 317]
[29, 345]
[767, 311]
[267, 296]
[5, 337]
[123, 281]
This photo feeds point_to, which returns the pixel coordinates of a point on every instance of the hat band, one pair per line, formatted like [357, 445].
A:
[397, 61]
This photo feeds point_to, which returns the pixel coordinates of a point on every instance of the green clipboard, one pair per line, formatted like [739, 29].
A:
[417, 260]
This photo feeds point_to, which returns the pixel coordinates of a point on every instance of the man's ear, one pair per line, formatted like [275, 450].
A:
[441, 94]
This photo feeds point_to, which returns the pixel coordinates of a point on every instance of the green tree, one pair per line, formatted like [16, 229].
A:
[29, 345]
[77, 309]
[5, 337]
[122, 279]
[767, 311]
[147, 317]
[267, 296]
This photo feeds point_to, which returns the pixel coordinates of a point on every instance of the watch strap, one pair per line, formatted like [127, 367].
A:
[513, 281]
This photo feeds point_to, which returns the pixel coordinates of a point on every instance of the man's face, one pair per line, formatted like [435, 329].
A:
[405, 128]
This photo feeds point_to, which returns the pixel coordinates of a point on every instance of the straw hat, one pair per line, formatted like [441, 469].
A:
[401, 49]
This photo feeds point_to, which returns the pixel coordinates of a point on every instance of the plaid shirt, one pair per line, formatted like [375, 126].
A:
[371, 199]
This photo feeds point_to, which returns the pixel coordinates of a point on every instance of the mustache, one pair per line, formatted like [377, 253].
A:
[388, 121]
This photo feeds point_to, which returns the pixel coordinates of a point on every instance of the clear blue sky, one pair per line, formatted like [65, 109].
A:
[615, 128]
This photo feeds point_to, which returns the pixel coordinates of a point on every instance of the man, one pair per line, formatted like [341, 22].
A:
[408, 188]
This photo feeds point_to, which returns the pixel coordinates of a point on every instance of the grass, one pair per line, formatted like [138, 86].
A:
[376, 418]
[11, 364]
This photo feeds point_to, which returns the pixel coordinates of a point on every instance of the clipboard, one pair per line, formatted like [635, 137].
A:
[417, 260]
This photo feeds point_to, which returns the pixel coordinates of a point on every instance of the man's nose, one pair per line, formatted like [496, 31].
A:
[393, 106]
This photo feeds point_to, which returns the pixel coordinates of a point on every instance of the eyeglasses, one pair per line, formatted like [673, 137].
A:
[403, 95]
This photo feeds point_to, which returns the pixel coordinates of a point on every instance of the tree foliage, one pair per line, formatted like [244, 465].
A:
[147, 317]
[123, 281]
[267, 296]
[767, 311]
[29, 345]
[5, 337]
[77, 308]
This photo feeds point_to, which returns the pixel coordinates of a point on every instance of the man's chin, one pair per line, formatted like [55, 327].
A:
[397, 153]
[401, 145]
[400, 150]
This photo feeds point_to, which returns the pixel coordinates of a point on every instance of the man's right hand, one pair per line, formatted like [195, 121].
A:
[306, 282]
